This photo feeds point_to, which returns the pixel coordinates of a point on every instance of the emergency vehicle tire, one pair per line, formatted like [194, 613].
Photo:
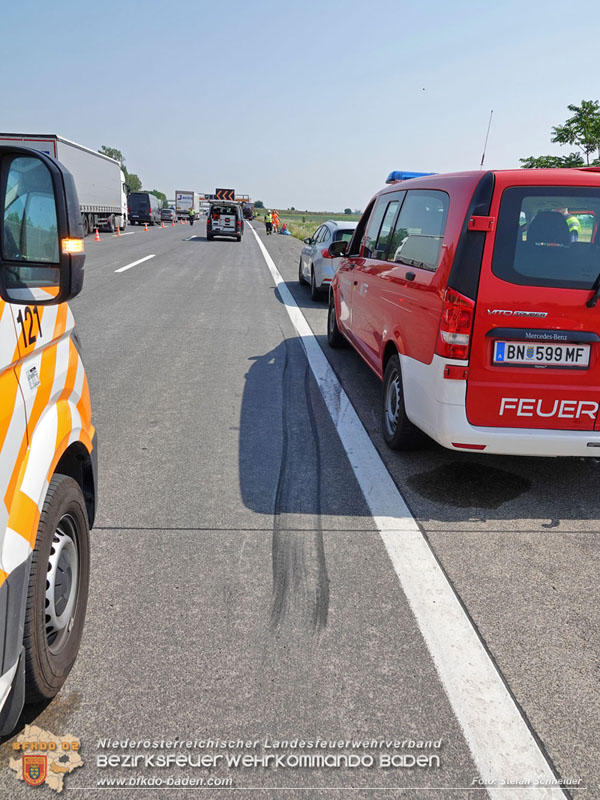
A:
[301, 278]
[86, 227]
[111, 224]
[209, 237]
[334, 337]
[58, 590]
[398, 431]
[239, 238]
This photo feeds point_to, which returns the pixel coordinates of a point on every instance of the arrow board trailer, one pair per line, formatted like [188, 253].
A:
[184, 201]
[99, 179]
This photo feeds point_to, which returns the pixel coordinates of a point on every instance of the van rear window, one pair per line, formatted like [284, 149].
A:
[224, 210]
[548, 237]
[138, 202]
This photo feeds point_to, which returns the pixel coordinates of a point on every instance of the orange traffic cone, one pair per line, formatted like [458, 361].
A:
[181, 222]
[97, 236]
[118, 233]
[172, 223]
[146, 227]
[162, 225]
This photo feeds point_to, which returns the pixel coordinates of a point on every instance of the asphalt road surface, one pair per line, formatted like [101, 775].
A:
[241, 589]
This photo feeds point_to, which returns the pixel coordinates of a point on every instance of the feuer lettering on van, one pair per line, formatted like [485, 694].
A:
[509, 313]
[533, 407]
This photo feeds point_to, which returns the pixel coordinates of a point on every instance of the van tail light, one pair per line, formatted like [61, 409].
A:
[455, 326]
[239, 223]
[325, 253]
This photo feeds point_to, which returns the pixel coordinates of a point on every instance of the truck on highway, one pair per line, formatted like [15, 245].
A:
[184, 201]
[99, 179]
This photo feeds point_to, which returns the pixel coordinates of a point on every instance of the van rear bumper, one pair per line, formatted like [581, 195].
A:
[438, 407]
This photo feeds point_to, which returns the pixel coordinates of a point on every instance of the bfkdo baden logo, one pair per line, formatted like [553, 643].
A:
[44, 757]
[35, 769]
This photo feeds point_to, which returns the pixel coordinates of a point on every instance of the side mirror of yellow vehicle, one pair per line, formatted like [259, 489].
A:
[41, 235]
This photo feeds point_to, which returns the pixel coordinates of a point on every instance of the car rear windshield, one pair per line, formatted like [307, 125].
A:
[343, 235]
[138, 202]
[548, 236]
[224, 210]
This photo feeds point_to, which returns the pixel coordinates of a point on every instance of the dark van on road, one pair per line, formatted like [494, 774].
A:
[143, 207]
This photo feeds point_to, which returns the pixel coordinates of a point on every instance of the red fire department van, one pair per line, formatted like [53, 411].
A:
[474, 297]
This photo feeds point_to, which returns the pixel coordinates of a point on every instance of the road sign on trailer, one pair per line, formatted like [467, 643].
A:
[225, 194]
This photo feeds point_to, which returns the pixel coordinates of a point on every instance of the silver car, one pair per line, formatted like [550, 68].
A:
[317, 267]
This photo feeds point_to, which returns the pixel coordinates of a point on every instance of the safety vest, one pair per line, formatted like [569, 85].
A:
[574, 225]
[268, 218]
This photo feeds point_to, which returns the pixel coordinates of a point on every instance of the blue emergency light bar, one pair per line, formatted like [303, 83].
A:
[397, 175]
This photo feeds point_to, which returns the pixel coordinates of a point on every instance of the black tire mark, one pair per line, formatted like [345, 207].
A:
[300, 579]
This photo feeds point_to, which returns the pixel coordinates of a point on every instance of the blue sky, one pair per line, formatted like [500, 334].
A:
[298, 104]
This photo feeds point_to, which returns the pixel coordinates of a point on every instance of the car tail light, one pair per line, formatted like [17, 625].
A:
[325, 253]
[455, 326]
[239, 223]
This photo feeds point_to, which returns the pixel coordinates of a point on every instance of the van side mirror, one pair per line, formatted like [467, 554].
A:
[41, 235]
[338, 249]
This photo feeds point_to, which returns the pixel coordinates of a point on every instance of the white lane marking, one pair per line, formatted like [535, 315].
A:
[129, 233]
[135, 263]
[500, 741]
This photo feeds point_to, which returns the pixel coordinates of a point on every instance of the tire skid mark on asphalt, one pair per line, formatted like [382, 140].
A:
[502, 742]
[300, 580]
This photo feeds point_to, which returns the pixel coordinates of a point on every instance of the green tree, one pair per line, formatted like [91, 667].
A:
[259, 204]
[112, 152]
[133, 181]
[544, 162]
[582, 130]
[161, 197]
[347, 211]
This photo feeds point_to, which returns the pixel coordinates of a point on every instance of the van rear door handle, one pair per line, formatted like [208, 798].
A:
[410, 276]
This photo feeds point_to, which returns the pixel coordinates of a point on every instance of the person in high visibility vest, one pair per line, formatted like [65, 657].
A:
[276, 221]
[573, 223]
[191, 216]
[269, 222]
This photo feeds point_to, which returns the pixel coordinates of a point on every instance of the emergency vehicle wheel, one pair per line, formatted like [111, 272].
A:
[239, 238]
[58, 590]
[398, 431]
[334, 337]
[301, 278]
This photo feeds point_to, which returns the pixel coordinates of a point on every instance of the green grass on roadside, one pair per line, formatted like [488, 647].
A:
[303, 224]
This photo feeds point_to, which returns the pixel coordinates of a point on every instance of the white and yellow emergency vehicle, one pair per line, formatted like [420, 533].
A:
[47, 440]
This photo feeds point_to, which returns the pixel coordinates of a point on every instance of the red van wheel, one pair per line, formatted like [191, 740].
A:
[398, 431]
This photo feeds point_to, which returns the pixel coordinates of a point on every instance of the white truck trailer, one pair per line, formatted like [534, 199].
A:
[99, 179]
[184, 201]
